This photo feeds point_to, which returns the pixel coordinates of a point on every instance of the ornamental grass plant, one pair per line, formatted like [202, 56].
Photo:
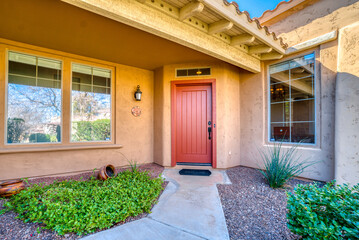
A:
[281, 164]
[84, 206]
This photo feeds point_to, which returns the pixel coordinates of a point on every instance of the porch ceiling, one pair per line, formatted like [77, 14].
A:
[214, 27]
[60, 26]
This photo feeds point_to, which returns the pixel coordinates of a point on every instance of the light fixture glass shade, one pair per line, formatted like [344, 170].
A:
[138, 94]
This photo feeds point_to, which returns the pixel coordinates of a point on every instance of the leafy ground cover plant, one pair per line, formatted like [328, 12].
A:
[281, 164]
[330, 212]
[85, 206]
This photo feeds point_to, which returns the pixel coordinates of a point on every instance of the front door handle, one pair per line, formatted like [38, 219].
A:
[209, 132]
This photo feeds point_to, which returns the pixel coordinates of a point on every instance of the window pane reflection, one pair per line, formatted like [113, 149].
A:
[303, 132]
[292, 100]
[91, 104]
[34, 99]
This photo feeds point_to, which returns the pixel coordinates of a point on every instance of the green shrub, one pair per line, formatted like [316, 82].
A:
[84, 206]
[280, 165]
[331, 212]
[39, 137]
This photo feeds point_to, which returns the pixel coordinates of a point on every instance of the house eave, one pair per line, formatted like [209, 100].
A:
[168, 26]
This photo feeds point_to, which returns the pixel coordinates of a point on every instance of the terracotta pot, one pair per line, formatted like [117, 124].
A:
[106, 172]
[10, 188]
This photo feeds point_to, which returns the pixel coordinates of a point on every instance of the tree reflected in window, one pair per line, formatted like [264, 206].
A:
[91, 104]
[33, 99]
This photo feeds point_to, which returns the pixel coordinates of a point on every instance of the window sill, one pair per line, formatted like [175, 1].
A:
[303, 146]
[58, 148]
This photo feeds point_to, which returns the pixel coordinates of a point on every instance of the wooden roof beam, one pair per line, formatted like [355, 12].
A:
[220, 26]
[241, 21]
[271, 56]
[242, 39]
[190, 10]
[259, 49]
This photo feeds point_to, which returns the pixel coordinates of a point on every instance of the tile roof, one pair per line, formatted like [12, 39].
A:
[276, 8]
[259, 26]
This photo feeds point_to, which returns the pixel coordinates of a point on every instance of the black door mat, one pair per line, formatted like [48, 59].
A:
[195, 172]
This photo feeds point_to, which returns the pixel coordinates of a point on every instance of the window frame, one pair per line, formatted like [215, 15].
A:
[30, 53]
[316, 101]
[112, 92]
[66, 60]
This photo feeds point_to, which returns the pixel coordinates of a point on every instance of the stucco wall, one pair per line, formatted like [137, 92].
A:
[347, 107]
[254, 115]
[315, 20]
[228, 116]
[135, 134]
[335, 103]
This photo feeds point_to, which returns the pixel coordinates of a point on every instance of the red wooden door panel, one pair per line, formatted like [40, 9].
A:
[193, 111]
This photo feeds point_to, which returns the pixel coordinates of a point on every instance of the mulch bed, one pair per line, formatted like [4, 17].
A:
[252, 209]
[15, 229]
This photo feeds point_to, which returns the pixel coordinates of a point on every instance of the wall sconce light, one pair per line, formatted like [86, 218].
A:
[138, 93]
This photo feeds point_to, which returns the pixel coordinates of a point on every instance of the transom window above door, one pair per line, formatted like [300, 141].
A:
[292, 100]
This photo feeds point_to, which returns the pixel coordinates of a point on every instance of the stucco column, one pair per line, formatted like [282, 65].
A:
[347, 107]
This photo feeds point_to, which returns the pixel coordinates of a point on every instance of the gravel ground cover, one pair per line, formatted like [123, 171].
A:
[15, 229]
[252, 209]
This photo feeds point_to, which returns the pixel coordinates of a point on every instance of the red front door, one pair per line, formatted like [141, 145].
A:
[193, 118]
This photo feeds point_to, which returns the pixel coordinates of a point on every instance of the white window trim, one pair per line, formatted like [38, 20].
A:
[316, 92]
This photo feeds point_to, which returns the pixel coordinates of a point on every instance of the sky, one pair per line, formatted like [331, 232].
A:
[256, 7]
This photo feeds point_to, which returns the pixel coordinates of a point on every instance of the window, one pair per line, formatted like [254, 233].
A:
[33, 99]
[292, 100]
[91, 104]
[191, 72]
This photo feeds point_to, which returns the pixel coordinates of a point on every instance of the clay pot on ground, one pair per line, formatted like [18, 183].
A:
[106, 172]
[10, 188]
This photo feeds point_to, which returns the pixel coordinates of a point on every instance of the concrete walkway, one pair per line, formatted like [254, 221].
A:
[189, 208]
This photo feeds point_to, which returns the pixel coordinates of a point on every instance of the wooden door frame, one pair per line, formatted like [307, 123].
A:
[174, 85]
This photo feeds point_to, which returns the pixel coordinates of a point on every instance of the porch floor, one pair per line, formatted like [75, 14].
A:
[189, 208]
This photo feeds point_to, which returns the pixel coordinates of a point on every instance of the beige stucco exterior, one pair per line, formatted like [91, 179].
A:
[316, 19]
[132, 140]
[254, 117]
[347, 107]
[122, 41]
[337, 62]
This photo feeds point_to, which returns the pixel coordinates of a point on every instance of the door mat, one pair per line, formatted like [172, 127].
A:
[195, 172]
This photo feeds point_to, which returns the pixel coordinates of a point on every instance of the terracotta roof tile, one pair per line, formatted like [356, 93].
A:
[260, 27]
[276, 8]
